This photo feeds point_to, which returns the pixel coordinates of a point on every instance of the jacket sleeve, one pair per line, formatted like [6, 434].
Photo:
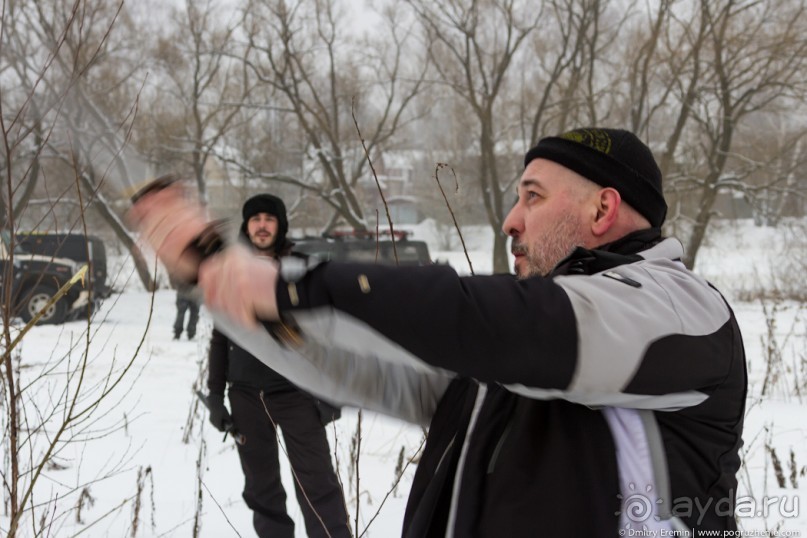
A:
[380, 378]
[217, 363]
[593, 339]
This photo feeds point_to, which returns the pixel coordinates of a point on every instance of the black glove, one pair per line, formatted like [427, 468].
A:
[220, 418]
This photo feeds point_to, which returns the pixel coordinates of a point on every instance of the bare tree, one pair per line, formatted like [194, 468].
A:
[199, 90]
[49, 405]
[64, 97]
[472, 46]
[545, 72]
[750, 63]
[693, 82]
[300, 50]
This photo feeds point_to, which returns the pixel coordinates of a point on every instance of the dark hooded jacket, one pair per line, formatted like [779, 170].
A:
[228, 361]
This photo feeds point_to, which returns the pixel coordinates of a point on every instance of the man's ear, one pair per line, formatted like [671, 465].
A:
[607, 203]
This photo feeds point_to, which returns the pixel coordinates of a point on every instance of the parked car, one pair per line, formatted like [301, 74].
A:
[365, 247]
[82, 249]
[34, 279]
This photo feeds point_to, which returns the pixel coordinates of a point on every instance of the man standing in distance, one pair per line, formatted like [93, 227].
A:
[299, 416]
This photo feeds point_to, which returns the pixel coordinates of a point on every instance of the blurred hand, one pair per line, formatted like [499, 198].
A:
[236, 282]
[169, 223]
[220, 417]
[240, 284]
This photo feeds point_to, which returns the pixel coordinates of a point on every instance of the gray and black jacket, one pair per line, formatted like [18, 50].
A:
[552, 403]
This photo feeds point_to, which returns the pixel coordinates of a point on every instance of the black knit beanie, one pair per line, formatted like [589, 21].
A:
[267, 203]
[610, 158]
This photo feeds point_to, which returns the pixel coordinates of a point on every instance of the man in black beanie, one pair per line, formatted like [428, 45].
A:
[263, 401]
[599, 392]
[609, 163]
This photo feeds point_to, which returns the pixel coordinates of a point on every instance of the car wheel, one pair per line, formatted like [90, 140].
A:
[36, 299]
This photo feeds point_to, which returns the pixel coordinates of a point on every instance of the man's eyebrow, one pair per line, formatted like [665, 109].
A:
[524, 183]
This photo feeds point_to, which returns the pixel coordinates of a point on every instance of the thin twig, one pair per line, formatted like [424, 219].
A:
[394, 485]
[375, 176]
[197, 513]
[293, 472]
[220, 508]
[337, 466]
[112, 511]
[451, 211]
[358, 452]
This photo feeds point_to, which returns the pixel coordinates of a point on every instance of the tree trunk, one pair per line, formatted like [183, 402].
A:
[33, 174]
[699, 229]
[99, 203]
[500, 263]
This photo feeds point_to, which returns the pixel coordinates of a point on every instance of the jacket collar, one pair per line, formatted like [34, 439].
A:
[640, 245]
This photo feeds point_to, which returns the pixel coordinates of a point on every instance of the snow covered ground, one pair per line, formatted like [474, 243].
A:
[149, 435]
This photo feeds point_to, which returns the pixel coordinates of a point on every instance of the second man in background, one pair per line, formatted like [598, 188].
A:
[299, 416]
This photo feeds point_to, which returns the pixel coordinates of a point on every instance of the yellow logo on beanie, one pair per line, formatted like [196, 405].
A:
[593, 138]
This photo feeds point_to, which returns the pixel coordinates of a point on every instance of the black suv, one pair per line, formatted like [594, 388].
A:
[365, 247]
[35, 279]
[82, 249]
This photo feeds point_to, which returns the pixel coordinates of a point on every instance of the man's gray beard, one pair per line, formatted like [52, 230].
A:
[554, 244]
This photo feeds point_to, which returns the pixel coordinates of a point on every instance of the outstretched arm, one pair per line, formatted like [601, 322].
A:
[328, 364]
[239, 289]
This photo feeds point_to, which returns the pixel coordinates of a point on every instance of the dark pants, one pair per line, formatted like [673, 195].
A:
[309, 454]
[184, 305]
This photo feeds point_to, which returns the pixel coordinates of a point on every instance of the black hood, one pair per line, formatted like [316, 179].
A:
[272, 205]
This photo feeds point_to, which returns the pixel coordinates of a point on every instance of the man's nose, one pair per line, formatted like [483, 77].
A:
[510, 225]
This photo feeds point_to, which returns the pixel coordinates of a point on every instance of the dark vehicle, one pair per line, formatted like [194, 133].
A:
[34, 280]
[84, 250]
[364, 247]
